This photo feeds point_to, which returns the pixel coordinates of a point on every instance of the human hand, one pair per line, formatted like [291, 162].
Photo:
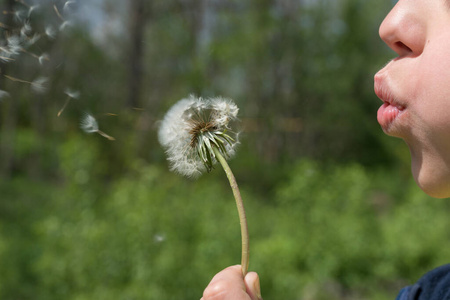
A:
[229, 284]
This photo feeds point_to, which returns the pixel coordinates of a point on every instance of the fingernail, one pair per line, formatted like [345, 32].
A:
[257, 287]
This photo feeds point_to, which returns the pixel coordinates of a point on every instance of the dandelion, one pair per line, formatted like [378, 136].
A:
[70, 95]
[89, 125]
[196, 134]
[189, 130]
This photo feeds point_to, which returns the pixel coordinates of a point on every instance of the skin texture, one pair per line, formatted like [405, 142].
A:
[229, 285]
[415, 89]
[417, 82]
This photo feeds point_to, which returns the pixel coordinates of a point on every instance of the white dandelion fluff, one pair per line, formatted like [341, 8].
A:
[64, 25]
[71, 94]
[3, 94]
[40, 85]
[42, 58]
[32, 8]
[50, 31]
[193, 128]
[68, 6]
[15, 44]
[26, 29]
[89, 125]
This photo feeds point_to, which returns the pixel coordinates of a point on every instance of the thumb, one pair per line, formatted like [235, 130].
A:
[252, 285]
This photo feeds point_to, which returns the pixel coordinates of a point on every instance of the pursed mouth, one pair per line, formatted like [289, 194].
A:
[391, 109]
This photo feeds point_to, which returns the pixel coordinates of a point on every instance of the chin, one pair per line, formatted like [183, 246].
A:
[432, 185]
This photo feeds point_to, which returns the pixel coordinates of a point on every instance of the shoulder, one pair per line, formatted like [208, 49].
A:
[434, 285]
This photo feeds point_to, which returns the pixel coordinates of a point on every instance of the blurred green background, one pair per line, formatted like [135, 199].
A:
[333, 212]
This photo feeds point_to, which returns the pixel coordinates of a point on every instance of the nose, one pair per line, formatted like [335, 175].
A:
[403, 30]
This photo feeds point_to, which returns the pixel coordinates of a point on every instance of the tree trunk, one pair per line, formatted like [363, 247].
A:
[138, 18]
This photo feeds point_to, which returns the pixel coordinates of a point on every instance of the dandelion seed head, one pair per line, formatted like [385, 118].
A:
[190, 130]
[89, 124]
[40, 85]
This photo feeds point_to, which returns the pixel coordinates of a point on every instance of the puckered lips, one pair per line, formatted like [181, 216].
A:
[391, 109]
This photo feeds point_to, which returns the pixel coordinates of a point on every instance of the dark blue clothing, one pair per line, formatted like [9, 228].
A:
[435, 285]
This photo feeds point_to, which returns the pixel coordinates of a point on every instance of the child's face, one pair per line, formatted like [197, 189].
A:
[415, 88]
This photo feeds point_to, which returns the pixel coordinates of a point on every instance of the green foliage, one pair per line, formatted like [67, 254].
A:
[326, 232]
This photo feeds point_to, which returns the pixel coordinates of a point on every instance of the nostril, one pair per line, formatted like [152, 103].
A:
[401, 48]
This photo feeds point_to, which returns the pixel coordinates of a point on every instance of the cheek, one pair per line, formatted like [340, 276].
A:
[430, 91]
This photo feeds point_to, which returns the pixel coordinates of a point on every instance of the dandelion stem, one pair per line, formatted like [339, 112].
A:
[64, 106]
[16, 79]
[241, 210]
[58, 13]
[105, 135]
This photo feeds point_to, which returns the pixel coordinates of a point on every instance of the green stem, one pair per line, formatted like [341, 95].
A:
[241, 210]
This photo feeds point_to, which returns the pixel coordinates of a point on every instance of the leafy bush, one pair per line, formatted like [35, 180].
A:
[327, 232]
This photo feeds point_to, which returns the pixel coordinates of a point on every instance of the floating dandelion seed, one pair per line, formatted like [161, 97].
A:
[14, 45]
[196, 133]
[43, 57]
[50, 31]
[70, 95]
[5, 56]
[64, 25]
[32, 8]
[159, 238]
[67, 8]
[89, 125]
[26, 29]
[32, 40]
[3, 94]
[39, 85]
[18, 14]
